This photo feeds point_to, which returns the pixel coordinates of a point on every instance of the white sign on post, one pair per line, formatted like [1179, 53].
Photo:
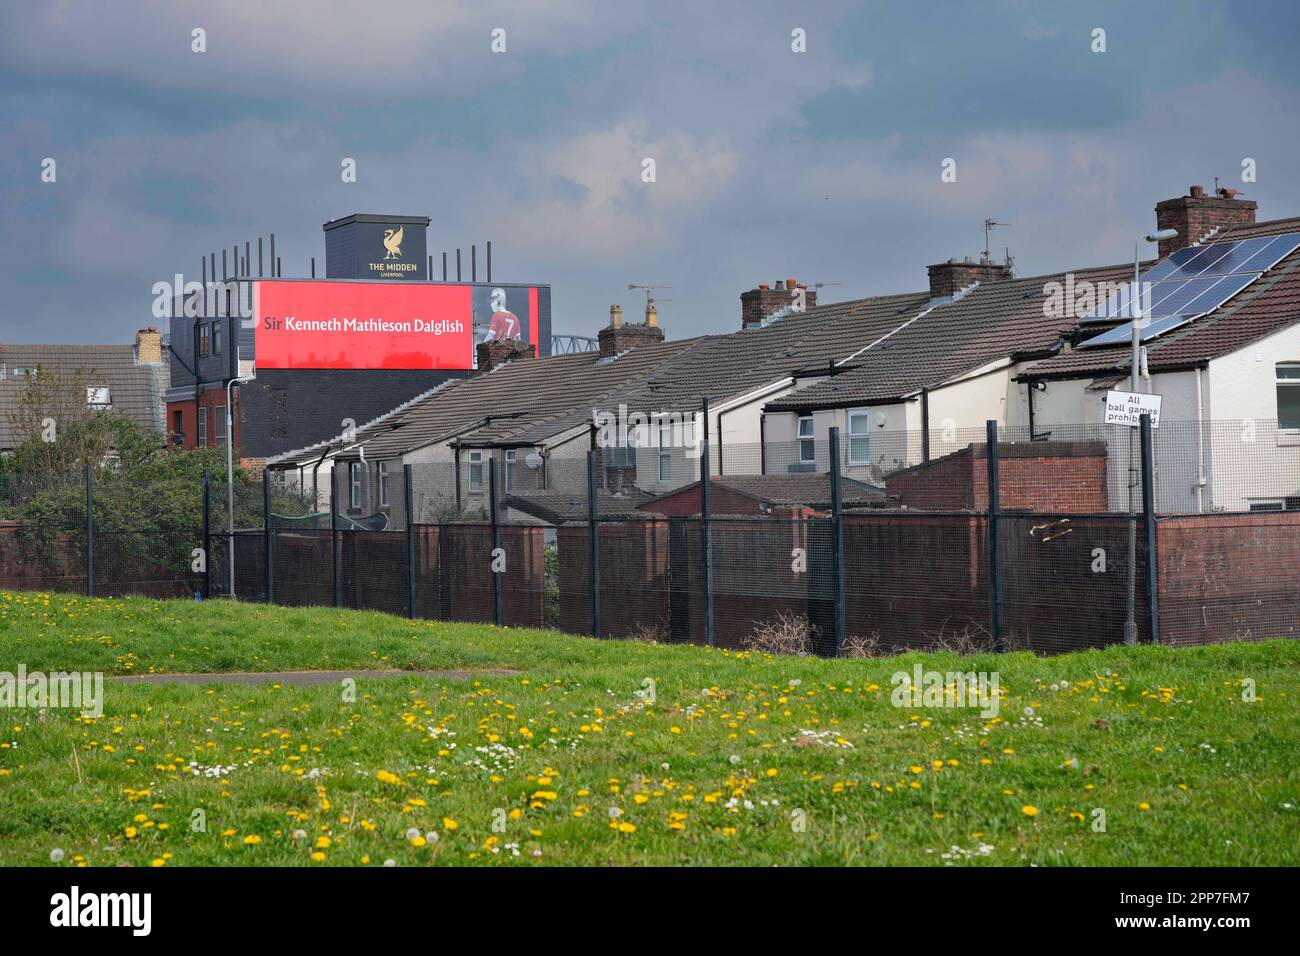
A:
[1127, 408]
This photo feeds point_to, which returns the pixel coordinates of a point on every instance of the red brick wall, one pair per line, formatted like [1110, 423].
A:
[210, 399]
[1194, 217]
[946, 484]
[1229, 577]
[1050, 477]
[685, 503]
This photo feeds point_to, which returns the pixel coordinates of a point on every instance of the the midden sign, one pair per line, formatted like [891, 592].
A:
[1127, 408]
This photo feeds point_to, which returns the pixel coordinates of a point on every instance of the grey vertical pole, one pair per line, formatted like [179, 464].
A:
[408, 497]
[925, 424]
[494, 516]
[837, 541]
[994, 508]
[489, 260]
[268, 566]
[706, 529]
[593, 543]
[207, 534]
[1149, 519]
[90, 530]
[336, 571]
[473, 262]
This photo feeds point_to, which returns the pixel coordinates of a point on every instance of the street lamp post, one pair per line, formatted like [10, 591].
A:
[1135, 306]
[230, 482]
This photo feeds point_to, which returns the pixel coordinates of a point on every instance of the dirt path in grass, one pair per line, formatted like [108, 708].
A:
[305, 678]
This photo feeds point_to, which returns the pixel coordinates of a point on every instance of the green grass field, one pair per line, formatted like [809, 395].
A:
[609, 752]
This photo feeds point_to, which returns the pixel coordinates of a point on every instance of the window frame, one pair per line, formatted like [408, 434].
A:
[354, 485]
[201, 427]
[219, 426]
[381, 481]
[810, 439]
[512, 458]
[474, 480]
[216, 338]
[1281, 383]
[850, 434]
[665, 451]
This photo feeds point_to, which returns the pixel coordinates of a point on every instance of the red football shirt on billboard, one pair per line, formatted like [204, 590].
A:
[370, 325]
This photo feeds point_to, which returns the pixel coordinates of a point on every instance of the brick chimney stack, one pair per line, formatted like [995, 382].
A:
[148, 346]
[619, 336]
[498, 352]
[949, 278]
[760, 304]
[1195, 214]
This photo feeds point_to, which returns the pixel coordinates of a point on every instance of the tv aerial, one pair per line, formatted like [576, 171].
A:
[649, 290]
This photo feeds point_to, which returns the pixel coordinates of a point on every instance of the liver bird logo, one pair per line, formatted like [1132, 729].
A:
[393, 242]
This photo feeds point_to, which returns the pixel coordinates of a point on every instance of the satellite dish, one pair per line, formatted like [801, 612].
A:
[881, 418]
[534, 460]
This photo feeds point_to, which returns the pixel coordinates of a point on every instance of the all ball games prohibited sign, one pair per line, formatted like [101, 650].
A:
[1127, 408]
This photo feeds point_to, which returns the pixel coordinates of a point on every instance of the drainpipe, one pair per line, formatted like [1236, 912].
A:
[1200, 445]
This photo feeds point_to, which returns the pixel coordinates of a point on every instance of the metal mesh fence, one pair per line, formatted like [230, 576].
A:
[619, 543]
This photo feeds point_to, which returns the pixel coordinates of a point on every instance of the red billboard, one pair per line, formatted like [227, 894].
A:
[362, 325]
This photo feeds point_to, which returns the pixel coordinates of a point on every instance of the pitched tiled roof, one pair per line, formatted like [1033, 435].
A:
[1269, 305]
[812, 490]
[135, 389]
[994, 321]
[499, 405]
[556, 507]
[730, 365]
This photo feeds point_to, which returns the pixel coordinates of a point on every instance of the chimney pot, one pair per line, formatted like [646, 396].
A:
[651, 314]
[615, 316]
[1196, 215]
[791, 284]
[763, 286]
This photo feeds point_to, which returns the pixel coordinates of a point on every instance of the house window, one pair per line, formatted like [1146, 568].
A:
[382, 469]
[665, 449]
[219, 425]
[205, 341]
[807, 445]
[98, 396]
[354, 485]
[1288, 395]
[178, 426]
[216, 338]
[476, 472]
[859, 436]
[511, 457]
[203, 426]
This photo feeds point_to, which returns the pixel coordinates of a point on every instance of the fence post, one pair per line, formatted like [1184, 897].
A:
[335, 570]
[706, 530]
[207, 534]
[494, 517]
[994, 508]
[90, 530]
[267, 539]
[407, 498]
[837, 541]
[593, 542]
[1149, 521]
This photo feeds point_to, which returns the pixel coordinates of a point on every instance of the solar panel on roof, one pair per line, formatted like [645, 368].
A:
[1188, 284]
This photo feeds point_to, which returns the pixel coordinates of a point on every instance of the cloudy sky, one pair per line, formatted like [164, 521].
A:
[823, 165]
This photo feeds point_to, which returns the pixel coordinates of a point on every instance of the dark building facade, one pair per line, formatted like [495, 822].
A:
[214, 337]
